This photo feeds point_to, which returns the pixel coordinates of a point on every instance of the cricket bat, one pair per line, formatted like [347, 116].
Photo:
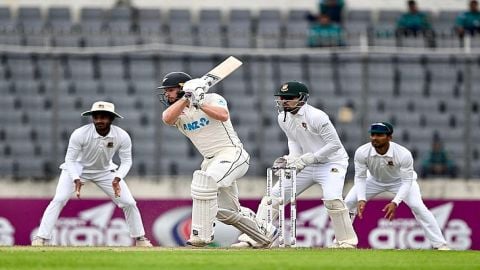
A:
[222, 70]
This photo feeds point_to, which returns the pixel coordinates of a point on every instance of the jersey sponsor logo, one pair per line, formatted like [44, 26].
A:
[203, 122]
[225, 161]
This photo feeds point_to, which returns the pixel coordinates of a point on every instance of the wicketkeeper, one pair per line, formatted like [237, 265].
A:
[319, 156]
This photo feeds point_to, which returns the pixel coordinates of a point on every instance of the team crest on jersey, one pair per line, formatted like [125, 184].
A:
[390, 163]
[304, 125]
[284, 88]
[196, 124]
[335, 170]
[110, 145]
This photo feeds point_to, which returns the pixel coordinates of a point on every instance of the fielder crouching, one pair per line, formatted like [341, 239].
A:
[319, 156]
[89, 158]
[205, 120]
[383, 165]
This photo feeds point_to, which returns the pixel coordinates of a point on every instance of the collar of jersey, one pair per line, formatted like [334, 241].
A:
[389, 152]
[109, 135]
[301, 111]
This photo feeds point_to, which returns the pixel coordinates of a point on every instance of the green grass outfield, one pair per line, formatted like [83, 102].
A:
[90, 258]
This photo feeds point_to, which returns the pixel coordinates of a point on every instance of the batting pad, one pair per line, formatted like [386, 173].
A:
[263, 211]
[342, 225]
[246, 223]
[205, 207]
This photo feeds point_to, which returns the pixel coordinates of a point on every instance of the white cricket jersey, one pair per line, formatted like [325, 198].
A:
[395, 166]
[94, 152]
[207, 134]
[311, 131]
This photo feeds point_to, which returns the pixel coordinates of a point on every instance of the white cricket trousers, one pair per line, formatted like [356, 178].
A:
[413, 200]
[65, 189]
[330, 176]
[226, 167]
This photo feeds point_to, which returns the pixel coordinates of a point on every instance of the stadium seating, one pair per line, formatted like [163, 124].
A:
[210, 28]
[129, 82]
[42, 97]
[237, 28]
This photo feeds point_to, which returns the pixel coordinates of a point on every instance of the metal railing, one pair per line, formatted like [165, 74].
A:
[466, 56]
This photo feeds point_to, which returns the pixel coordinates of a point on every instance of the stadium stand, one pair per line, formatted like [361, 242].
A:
[44, 94]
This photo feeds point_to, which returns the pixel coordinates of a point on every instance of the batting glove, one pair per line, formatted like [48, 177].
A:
[195, 84]
[195, 91]
[301, 162]
[199, 98]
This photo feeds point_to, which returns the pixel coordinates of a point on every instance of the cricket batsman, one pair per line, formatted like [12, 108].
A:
[205, 120]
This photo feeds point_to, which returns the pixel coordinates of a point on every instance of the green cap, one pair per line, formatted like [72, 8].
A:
[292, 89]
[381, 128]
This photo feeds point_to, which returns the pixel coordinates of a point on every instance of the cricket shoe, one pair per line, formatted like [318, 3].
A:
[443, 247]
[196, 241]
[272, 235]
[142, 242]
[342, 245]
[243, 244]
[39, 242]
[246, 241]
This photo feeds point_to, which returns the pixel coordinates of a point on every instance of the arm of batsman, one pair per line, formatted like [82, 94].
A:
[301, 162]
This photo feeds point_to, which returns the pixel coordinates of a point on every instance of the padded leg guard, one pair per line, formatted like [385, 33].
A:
[262, 213]
[246, 223]
[204, 209]
[261, 217]
[342, 225]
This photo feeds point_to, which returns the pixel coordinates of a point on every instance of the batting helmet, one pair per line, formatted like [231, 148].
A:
[174, 79]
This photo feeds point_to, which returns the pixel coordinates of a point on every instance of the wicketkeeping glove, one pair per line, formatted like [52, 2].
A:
[301, 162]
[280, 162]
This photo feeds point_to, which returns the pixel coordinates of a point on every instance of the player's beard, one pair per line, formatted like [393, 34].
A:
[102, 128]
[377, 144]
[295, 108]
[180, 94]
